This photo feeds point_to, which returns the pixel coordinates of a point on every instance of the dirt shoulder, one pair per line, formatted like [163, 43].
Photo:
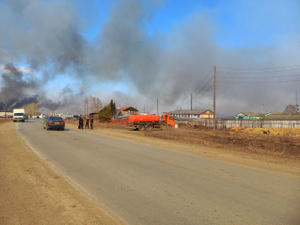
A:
[33, 193]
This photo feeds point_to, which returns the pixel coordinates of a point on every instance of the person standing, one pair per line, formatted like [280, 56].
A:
[80, 126]
[92, 122]
[79, 118]
[87, 123]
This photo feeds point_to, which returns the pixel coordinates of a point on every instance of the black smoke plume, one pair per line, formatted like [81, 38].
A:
[15, 88]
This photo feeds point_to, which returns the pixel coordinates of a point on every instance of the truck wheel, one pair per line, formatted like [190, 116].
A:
[141, 127]
[148, 127]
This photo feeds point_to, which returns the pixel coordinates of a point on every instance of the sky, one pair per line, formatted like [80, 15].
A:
[137, 52]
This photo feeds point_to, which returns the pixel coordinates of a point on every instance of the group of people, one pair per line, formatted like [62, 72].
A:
[89, 122]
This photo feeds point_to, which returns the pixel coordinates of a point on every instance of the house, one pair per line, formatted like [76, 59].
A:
[249, 116]
[96, 112]
[7, 113]
[192, 114]
[122, 112]
[126, 111]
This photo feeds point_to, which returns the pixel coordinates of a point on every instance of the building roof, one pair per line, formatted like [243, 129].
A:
[127, 108]
[283, 117]
[251, 114]
[96, 110]
[276, 113]
[189, 112]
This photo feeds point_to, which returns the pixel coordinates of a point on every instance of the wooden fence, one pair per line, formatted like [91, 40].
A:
[227, 124]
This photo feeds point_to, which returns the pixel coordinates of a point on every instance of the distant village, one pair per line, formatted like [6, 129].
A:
[199, 116]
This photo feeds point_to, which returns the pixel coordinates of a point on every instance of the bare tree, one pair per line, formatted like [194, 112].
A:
[290, 109]
[92, 104]
[32, 109]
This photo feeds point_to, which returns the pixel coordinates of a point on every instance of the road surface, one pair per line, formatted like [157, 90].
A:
[143, 184]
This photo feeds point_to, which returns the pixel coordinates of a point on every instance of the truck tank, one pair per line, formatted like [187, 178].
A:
[143, 118]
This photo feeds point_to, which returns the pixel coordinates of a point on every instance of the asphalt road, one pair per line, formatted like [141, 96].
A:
[148, 185]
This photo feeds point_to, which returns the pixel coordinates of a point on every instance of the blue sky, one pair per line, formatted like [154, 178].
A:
[239, 23]
[136, 51]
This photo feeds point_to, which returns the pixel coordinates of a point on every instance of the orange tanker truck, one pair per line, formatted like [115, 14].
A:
[148, 122]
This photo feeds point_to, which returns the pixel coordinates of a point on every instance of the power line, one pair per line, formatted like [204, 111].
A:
[262, 82]
[168, 104]
[200, 85]
[205, 85]
[152, 107]
[259, 69]
[204, 92]
[275, 71]
[203, 80]
[262, 77]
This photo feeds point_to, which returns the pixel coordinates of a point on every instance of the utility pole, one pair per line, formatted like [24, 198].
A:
[297, 105]
[192, 101]
[215, 82]
[157, 106]
[5, 109]
[86, 106]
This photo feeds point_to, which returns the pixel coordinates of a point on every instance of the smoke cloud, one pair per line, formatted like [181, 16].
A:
[15, 88]
[18, 90]
[166, 66]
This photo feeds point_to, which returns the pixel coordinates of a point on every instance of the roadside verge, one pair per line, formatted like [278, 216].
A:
[32, 193]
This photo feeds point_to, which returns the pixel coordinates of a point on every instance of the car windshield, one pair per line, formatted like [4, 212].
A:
[18, 114]
[55, 118]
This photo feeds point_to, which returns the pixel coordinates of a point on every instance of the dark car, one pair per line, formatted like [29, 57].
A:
[54, 122]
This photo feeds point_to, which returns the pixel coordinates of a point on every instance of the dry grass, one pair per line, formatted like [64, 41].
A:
[7, 120]
[274, 131]
[98, 125]
[286, 145]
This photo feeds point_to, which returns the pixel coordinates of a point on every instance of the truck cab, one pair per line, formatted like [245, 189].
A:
[19, 115]
[168, 120]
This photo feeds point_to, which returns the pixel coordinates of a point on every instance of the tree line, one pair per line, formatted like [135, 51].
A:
[105, 114]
